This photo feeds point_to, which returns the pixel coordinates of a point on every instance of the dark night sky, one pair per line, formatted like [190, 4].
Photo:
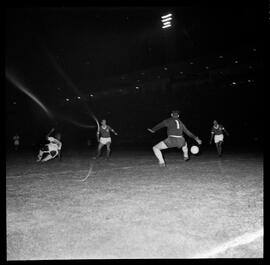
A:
[90, 44]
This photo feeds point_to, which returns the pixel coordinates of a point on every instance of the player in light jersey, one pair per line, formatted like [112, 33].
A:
[50, 150]
[104, 138]
[217, 134]
[175, 129]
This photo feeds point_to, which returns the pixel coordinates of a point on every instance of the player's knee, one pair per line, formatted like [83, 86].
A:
[185, 148]
[155, 148]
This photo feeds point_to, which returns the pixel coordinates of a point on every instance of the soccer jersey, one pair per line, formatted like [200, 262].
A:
[175, 128]
[54, 142]
[105, 131]
[217, 130]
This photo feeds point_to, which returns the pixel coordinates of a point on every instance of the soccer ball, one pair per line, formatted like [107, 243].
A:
[194, 149]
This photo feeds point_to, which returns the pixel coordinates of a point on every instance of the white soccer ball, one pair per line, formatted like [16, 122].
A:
[194, 149]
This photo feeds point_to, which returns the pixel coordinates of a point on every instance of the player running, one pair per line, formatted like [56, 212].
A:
[104, 138]
[217, 133]
[50, 150]
[175, 129]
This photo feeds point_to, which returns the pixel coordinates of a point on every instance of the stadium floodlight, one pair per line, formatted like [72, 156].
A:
[166, 16]
[166, 26]
[166, 21]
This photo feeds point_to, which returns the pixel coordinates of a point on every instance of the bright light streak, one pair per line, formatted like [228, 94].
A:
[79, 124]
[17, 84]
[167, 23]
[169, 15]
[167, 26]
[71, 84]
[167, 19]
[64, 75]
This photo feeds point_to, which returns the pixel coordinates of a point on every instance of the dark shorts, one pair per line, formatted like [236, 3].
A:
[53, 153]
[45, 148]
[175, 142]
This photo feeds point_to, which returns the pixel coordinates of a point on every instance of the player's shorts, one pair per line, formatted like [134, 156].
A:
[105, 140]
[45, 148]
[50, 147]
[218, 138]
[175, 142]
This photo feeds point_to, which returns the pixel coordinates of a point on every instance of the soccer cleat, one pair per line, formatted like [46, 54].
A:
[186, 158]
[162, 164]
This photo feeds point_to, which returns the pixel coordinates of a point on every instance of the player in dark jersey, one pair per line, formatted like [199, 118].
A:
[175, 129]
[217, 134]
[104, 138]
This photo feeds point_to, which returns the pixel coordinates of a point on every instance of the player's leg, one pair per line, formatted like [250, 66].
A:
[42, 151]
[52, 154]
[216, 140]
[157, 151]
[217, 147]
[39, 156]
[220, 148]
[185, 151]
[100, 145]
[47, 157]
[108, 145]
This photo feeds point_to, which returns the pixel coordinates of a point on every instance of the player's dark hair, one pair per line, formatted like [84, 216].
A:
[175, 112]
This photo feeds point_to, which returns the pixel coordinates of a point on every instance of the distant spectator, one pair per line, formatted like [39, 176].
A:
[16, 141]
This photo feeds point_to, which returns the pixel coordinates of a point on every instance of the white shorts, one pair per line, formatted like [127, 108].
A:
[218, 138]
[105, 140]
[53, 147]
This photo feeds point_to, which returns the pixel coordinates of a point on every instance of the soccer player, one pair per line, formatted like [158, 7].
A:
[104, 138]
[16, 141]
[175, 129]
[50, 150]
[217, 133]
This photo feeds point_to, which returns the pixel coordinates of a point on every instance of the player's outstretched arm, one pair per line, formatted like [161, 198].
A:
[191, 135]
[158, 126]
[226, 131]
[113, 131]
[199, 141]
